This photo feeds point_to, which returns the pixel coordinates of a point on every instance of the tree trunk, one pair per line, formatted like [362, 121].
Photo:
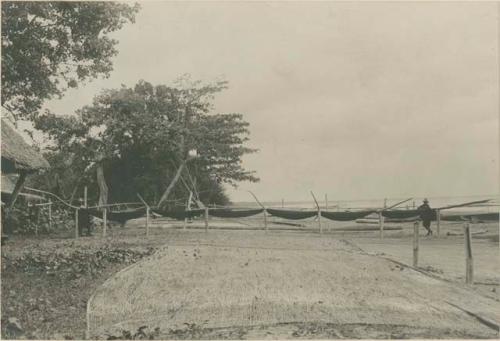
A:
[101, 182]
[170, 187]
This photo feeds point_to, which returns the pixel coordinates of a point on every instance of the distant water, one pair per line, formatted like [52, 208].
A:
[434, 202]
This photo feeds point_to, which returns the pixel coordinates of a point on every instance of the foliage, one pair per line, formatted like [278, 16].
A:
[48, 47]
[142, 135]
[46, 283]
[69, 266]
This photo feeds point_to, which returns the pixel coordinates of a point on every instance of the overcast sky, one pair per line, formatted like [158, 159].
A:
[357, 100]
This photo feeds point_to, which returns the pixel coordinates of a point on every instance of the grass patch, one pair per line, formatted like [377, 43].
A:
[46, 283]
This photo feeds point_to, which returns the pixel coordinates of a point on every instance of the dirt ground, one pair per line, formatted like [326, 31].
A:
[444, 256]
[295, 283]
[236, 282]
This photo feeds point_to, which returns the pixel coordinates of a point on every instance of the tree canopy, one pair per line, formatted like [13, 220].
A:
[48, 47]
[142, 136]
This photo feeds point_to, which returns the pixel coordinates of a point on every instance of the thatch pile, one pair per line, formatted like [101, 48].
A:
[17, 155]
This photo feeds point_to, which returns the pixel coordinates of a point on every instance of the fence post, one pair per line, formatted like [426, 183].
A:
[469, 265]
[76, 223]
[265, 219]
[415, 243]
[50, 215]
[105, 221]
[206, 219]
[438, 222]
[147, 221]
[38, 209]
[319, 222]
[381, 221]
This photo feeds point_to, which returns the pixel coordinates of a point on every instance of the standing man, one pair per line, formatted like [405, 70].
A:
[426, 215]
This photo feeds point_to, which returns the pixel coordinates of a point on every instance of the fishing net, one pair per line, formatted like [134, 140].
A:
[471, 217]
[401, 214]
[179, 214]
[234, 213]
[345, 216]
[289, 214]
[119, 216]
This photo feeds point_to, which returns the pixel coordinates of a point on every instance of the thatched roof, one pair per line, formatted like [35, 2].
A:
[17, 155]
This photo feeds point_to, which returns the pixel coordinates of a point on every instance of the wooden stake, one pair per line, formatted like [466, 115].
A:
[469, 265]
[147, 221]
[438, 222]
[76, 223]
[319, 213]
[188, 208]
[50, 215]
[415, 243]
[105, 221]
[319, 222]
[85, 197]
[206, 219]
[261, 205]
[37, 220]
[381, 221]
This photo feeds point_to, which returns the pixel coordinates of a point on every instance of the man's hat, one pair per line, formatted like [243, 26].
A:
[425, 200]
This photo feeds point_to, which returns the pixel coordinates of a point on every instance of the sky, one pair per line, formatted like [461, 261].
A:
[353, 100]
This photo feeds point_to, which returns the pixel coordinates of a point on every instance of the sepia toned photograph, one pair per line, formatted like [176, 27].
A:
[263, 170]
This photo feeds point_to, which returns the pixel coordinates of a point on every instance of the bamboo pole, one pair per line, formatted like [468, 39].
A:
[260, 204]
[319, 213]
[319, 222]
[147, 221]
[206, 219]
[188, 208]
[37, 220]
[381, 221]
[469, 265]
[396, 204]
[415, 243]
[438, 222]
[105, 221]
[50, 215]
[43, 204]
[76, 223]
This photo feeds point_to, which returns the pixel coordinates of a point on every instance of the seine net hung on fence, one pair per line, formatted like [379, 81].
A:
[234, 213]
[345, 216]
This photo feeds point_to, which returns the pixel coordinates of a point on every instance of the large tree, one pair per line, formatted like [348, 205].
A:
[48, 47]
[140, 139]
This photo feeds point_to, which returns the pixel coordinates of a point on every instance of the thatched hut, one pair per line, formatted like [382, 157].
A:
[18, 157]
